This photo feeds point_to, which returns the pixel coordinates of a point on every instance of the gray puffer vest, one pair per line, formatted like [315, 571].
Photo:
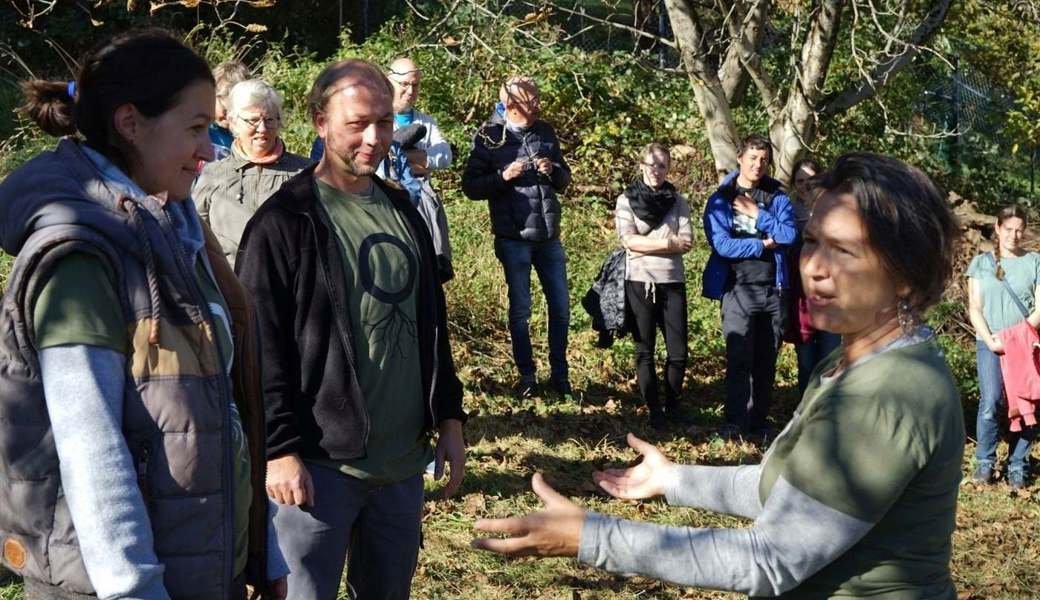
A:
[176, 406]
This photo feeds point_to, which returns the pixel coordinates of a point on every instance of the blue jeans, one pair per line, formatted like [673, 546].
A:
[993, 409]
[376, 527]
[811, 353]
[547, 258]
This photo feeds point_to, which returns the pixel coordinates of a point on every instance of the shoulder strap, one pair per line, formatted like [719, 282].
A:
[1007, 286]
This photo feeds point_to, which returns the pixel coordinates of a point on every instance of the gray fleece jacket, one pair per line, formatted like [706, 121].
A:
[230, 190]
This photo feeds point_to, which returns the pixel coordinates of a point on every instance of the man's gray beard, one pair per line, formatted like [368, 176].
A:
[358, 171]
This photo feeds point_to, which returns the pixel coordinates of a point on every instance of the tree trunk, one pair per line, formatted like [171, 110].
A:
[707, 89]
[796, 126]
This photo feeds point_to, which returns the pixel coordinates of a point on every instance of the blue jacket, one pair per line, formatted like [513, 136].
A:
[775, 220]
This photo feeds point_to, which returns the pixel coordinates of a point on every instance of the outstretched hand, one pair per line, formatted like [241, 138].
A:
[555, 531]
[647, 479]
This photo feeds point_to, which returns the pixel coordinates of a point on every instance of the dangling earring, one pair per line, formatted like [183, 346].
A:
[905, 316]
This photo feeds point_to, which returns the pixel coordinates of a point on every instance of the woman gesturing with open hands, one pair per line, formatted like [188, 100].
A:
[649, 478]
[857, 497]
[555, 531]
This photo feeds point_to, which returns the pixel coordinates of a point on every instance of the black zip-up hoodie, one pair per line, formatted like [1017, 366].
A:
[290, 259]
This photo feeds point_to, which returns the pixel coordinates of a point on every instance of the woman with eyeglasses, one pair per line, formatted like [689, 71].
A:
[231, 189]
[653, 222]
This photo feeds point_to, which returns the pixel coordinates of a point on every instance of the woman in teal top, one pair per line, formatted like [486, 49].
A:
[999, 297]
[856, 497]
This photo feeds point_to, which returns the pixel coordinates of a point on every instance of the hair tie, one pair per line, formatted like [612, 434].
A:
[71, 89]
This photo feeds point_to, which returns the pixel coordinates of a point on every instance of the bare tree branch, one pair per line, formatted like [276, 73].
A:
[747, 44]
[415, 10]
[868, 86]
[33, 10]
[519, 27]
[581, 13]
[431, 33]
[818, 49]
[731, 73]
[704, 79]
[796, 127]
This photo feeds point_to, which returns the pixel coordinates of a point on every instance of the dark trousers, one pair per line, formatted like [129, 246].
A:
[550, 262]
[664, 308]
[812, 353]
[753, 323]
[375, 529]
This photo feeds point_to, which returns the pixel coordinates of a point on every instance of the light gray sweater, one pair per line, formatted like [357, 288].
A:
[653, 268]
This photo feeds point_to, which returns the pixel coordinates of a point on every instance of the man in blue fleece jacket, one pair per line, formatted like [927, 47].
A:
[749, 222]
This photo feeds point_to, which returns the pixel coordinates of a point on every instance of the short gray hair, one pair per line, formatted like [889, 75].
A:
[254, 92]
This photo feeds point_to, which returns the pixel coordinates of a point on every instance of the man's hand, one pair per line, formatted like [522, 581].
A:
[279, 589]
[769, 244]
[555, 531]
[451, 448]
[647, 479]
[544, 166]
[746, 205]
[513, 170]
[289, 481]
[996, 346]
[417, 161]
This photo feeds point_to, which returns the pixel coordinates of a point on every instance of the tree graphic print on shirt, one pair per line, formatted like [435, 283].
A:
[385, 322]
[381, 275]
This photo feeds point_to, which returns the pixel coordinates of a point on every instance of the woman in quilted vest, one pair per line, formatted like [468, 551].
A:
[1003, 286]
[131, 428]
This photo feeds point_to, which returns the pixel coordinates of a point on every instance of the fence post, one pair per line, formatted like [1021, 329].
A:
[662, 31]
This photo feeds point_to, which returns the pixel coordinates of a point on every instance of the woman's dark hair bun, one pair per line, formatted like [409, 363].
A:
[147, 68]
[47, 103]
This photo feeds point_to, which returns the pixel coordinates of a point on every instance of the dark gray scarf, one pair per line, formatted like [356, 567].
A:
[651, 204]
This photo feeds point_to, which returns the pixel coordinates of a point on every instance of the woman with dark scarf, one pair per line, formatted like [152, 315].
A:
[653, 222]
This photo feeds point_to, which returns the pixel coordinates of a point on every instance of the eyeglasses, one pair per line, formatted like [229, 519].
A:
[655, 165]
[254, 122]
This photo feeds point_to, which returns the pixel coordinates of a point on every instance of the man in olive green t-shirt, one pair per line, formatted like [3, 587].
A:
[381, 268]
[357, 368]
